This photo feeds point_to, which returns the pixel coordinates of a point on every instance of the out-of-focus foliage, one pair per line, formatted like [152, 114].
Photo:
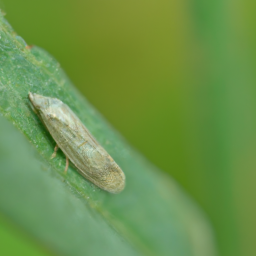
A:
[177, 79]
[66, 214]
[14, 242]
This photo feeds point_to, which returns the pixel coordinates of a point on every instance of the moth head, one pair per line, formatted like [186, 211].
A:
[39, 102]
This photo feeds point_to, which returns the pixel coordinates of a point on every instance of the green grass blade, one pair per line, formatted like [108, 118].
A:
[66, 213]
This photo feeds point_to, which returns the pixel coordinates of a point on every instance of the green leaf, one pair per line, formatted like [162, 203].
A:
[66, 213]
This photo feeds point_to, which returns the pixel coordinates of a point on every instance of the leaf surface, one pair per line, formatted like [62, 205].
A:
[66, 213]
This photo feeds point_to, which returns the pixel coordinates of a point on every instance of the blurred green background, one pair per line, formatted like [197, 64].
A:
[177, 79]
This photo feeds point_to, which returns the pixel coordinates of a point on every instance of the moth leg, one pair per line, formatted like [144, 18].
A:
[55, 151]
[66, 168]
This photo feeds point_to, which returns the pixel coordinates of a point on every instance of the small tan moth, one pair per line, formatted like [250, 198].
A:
[76, 142]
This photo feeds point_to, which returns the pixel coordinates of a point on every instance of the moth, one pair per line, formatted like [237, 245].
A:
[73, 138]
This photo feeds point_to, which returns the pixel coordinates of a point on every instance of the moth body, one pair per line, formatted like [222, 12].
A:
[76, 142]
